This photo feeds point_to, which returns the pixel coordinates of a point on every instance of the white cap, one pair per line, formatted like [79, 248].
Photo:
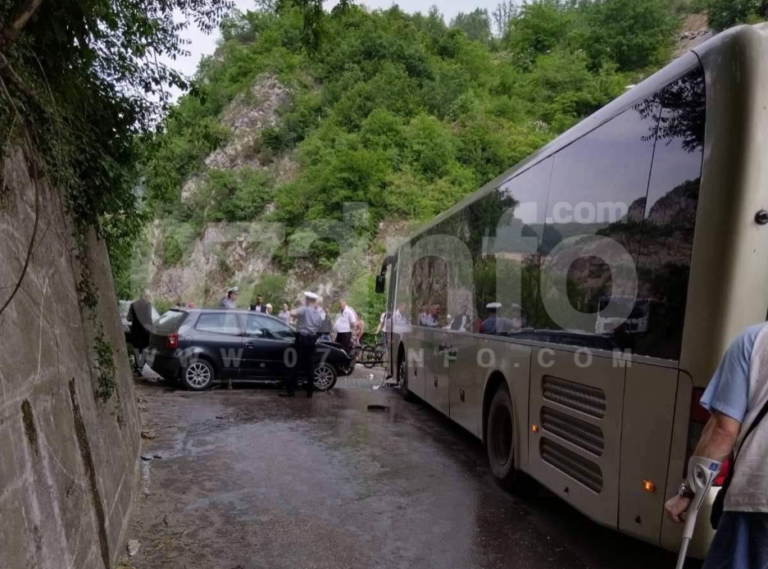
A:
[233, 289]
[311, 296]
[494, 305]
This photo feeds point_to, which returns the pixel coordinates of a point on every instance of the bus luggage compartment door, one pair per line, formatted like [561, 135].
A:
[466, 383]
[575, 435]
[649, 411]
[439, 355]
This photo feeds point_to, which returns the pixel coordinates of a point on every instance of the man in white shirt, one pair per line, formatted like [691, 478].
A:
[345, 323]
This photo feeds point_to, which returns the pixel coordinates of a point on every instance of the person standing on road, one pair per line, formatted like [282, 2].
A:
[270, 310]
[737, 397]
[385, 326]
[230, 301]
[357, 331]
[345, 323]
[400, 319]
[259, 306]
[308, 321]
[140, 315]
[432, 317]
[326, 328]
[285, 314]
[463, 322]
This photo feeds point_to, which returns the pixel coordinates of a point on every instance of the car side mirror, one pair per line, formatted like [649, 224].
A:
[381, 284]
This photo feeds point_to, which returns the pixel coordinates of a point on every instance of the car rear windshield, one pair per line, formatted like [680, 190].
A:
[170, 322]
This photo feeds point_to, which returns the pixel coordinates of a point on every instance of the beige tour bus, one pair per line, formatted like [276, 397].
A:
[661, 196]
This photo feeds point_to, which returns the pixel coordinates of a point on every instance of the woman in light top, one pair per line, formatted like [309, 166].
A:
[285, 314]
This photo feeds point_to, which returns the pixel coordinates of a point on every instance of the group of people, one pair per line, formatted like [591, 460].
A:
[347, 329]
[494, 323]
[313, 323]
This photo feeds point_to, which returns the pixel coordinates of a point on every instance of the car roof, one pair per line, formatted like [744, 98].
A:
[221, 311]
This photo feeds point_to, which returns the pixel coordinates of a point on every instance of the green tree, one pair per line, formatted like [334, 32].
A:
[503, 15]
[476, 24]
[273, 288]
[538, 27]
[723, 14]
[633, 34]
[82, 82]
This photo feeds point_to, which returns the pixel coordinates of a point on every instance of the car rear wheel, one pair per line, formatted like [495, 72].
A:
[500, 439]
[325, 377]
[197, 375]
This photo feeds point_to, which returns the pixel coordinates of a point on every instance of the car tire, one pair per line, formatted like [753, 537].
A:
[324, 377]
[500, 440]
[198, 375]
[402, 378]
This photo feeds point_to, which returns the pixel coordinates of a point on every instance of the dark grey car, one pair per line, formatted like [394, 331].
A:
[202, 347]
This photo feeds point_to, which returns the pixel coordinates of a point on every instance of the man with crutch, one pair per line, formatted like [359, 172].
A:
[737, 397]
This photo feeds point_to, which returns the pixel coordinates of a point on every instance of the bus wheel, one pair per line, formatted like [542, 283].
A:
[402, 377]
[500, 439]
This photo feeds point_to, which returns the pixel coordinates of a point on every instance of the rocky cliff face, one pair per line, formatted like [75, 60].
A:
[243, 254]
[68, 459]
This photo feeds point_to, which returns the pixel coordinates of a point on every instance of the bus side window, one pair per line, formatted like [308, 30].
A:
[506, 230]
[670, 215]
[594, 223]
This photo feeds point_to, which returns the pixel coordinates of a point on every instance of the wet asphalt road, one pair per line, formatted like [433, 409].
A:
[244, 479]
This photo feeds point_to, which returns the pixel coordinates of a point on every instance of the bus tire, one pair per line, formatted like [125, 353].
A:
[402, 377]
[500, 439]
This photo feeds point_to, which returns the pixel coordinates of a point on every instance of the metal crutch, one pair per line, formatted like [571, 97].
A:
[702, 474]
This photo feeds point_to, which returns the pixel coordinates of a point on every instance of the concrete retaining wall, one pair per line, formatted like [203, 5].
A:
[68, 462]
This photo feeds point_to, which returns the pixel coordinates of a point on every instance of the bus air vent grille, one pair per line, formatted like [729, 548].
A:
[579, 468]
[575, 431]
[576, 396]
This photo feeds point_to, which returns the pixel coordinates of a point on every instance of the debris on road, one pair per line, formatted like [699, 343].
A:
[133, 547]
[378, 407]
[147, 434]
[146, 457]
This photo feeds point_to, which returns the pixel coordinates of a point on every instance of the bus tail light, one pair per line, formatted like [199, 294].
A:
[698, 419]
[172, 341]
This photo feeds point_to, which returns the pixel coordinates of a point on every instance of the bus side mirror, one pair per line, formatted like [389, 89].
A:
[381, 284]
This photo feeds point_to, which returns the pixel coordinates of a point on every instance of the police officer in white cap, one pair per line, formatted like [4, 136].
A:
[495, 324]
[309, 318]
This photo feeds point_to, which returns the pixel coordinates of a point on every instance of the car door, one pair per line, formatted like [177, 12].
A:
[218, 335]
[269, 348]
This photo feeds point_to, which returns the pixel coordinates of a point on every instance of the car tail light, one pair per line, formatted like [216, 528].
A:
[172, 341]
[698, 419]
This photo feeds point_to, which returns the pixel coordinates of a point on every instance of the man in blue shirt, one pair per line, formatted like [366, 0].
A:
[735, 396]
